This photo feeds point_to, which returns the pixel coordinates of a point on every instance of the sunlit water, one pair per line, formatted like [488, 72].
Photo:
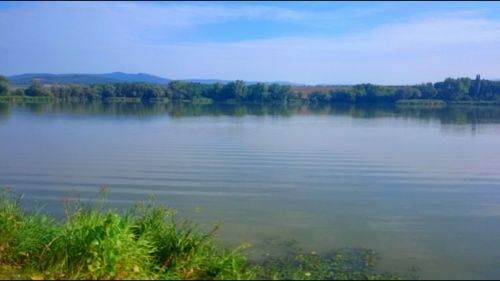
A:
[419, 186]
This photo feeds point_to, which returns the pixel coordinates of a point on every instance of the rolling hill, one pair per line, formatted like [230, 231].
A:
[24, 80]
[115, 77]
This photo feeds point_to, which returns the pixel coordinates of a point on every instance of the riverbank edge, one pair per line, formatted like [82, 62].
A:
[204, 101]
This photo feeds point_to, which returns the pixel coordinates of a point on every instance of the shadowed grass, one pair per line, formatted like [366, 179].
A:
[25, 99]
[144, 242]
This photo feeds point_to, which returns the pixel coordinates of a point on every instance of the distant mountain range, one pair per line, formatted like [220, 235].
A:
[114, 77]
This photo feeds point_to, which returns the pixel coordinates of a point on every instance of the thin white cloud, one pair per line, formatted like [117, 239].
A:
[426, 50]
[88, 37]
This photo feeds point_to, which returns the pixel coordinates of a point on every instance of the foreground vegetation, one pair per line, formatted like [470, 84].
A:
[450, 90]
[147, 242]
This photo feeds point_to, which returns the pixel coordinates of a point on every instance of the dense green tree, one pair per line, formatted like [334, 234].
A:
[490, 90]
[408, 93]
[177, 90]
[18, 92]
[427, 90]
[108, 91]
[320, 97]
[235, 90]
[462, 89]
[475, 88]
[4, 86]
[213, 91]
[37, 90]
[258, 92]
[345, 95]
[453, 89]
[279, 93]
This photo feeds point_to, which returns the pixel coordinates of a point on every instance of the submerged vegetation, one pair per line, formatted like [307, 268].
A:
[450, 90]
[147, 242]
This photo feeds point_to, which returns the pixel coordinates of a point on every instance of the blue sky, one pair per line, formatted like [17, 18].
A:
[305, 42]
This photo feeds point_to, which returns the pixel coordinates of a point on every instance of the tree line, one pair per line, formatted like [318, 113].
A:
[176, 91]
[461, 89]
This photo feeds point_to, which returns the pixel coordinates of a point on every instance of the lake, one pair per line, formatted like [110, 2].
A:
[421, 186]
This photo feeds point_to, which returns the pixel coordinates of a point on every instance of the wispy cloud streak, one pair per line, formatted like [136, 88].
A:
[100, 37]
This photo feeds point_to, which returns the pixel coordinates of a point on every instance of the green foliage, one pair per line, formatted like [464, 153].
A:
[22, 236]
[427, 90]
[4, 86]
[453, 90]
[258, 92]
[344, 264]
[235, 90]
[147, 242]
[320, 97]
[99, 244]
[20, 98]
[408, 93]
[174, 91]
[38, 90]
[18, 92]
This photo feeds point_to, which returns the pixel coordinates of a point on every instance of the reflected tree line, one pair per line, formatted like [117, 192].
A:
[456, 114]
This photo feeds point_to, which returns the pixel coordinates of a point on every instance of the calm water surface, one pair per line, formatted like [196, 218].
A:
[420, 186]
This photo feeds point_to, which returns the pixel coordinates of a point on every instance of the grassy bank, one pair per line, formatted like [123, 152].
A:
[205, 101]
[475, 102]
[421, 102]
[441, 103]
[146, 242]
[25, 99]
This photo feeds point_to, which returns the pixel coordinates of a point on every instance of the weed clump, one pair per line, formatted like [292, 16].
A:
[145, 242]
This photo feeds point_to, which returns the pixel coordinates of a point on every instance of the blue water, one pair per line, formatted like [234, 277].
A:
[420, 186]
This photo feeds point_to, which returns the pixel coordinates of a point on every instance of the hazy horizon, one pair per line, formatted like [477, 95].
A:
[306, 43]
[217, 79]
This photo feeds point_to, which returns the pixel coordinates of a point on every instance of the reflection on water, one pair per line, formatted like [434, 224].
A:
[4, 111]
[418, 185]
[456, 114]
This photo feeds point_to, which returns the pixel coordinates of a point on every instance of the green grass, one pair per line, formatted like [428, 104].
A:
[476, 102]
[123, 99]
[25, 99]
[421, 102]
[147, 241]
